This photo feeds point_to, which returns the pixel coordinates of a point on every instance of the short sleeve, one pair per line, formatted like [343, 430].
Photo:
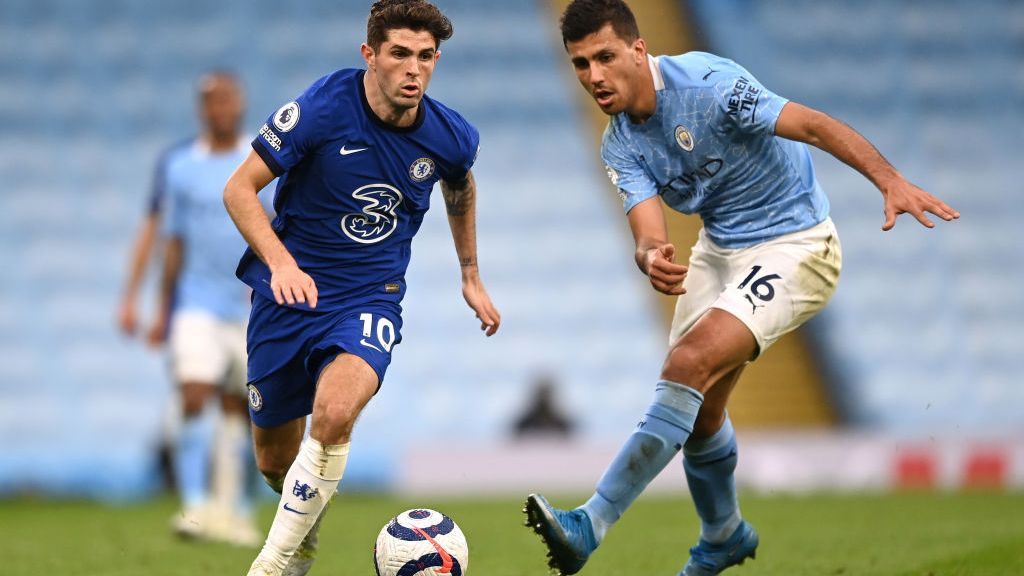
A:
[626, 172]
[470, 149]
[746, 104]
[158, 190]
[468, 146]
[173, 208]
[293, 130]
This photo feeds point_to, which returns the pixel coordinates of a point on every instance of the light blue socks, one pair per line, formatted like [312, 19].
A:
[655, 442]
[710, 464]
[192, 458]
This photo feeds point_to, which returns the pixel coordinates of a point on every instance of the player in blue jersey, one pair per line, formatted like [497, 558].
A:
[358, 154]
[203, 311]
[699, 133]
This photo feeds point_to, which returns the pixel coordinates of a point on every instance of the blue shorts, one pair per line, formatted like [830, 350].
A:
[289, 347]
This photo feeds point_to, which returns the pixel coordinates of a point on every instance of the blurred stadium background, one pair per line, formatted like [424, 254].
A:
[910, 378]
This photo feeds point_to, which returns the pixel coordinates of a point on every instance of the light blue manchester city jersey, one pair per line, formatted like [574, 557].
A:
[710, 148]
[193, 181]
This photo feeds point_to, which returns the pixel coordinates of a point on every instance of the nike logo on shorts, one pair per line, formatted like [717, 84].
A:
[345, 152]
[290, 509]
[367, 344]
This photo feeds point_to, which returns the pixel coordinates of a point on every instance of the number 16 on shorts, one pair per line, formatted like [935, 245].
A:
[760, 287]
[378, 332]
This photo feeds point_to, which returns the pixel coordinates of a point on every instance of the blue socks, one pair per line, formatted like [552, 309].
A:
[657, 439]
[192, 458]
[710, 464]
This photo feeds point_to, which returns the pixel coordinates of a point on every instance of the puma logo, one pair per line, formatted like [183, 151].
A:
[754, 306]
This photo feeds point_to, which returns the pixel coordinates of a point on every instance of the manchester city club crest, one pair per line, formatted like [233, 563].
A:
[684, 138]
[255, 399]
[421, 169]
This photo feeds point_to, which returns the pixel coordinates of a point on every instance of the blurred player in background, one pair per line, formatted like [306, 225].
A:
[701, 134]
[358, 154]
[203, 311]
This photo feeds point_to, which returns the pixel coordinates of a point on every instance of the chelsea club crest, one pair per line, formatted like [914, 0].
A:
[255, 399]
[684, 138]
[421, 169]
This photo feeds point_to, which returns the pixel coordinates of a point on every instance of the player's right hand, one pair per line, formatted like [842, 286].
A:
[127, 319]
[666, 276]
[290, 284]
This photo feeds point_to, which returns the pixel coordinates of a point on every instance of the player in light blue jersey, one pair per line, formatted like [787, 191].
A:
[203, 311]
[700, 134]
[358, 154]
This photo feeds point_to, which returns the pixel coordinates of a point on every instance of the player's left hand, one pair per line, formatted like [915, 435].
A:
[476, 296]
[157, 334]
[905, 198]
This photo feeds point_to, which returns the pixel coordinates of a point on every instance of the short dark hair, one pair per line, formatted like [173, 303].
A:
[225, 74]
[585, 17]
[415, 15]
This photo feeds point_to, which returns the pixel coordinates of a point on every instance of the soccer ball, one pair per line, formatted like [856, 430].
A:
[421, 542]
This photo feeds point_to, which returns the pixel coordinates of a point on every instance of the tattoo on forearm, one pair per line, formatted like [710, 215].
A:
[459, 196]
[467, 262]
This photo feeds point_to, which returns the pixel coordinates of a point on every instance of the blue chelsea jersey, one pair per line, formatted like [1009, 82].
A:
[353, 190]
[710, 148]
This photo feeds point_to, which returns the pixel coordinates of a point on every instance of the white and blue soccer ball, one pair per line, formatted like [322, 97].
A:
[421, 542]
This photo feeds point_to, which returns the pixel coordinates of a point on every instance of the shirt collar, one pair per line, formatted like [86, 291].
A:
[659, 80]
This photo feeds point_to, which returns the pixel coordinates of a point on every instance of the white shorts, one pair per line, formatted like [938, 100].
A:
[772, 287]
[207, 349]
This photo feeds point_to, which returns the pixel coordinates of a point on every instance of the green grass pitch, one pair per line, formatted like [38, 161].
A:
[901, 535]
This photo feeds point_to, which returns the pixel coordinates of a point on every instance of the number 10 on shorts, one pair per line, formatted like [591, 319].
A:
[385, 331]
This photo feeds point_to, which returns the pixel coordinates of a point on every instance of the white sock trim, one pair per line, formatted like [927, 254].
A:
[326, 462]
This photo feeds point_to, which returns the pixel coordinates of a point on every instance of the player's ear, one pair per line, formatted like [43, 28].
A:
[368, 55]
[640, 51]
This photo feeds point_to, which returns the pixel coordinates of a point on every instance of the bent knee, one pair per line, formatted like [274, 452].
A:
[194, 397]
[709, 421]
[333, 423]
[685, 366]
[273, 465]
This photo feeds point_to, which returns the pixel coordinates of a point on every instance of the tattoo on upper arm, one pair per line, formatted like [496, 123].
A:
[459, 195]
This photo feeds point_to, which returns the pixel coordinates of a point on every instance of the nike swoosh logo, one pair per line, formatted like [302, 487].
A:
[446, 559]
[367, 344]
[345, 152]
[290, 509]
[710, 72]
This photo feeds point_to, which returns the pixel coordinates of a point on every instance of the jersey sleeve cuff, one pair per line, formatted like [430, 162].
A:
[267, 157]
[631, 199]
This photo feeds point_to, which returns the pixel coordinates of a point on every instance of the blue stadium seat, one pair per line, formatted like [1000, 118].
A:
[93, 93]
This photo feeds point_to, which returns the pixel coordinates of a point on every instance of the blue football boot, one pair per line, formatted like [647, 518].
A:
[568, 534]
[707, 559]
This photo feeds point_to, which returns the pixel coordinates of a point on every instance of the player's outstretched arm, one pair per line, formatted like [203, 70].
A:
[460, 202]
[655, 255]
[288, 282]
[127, 310]
[798, 122]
